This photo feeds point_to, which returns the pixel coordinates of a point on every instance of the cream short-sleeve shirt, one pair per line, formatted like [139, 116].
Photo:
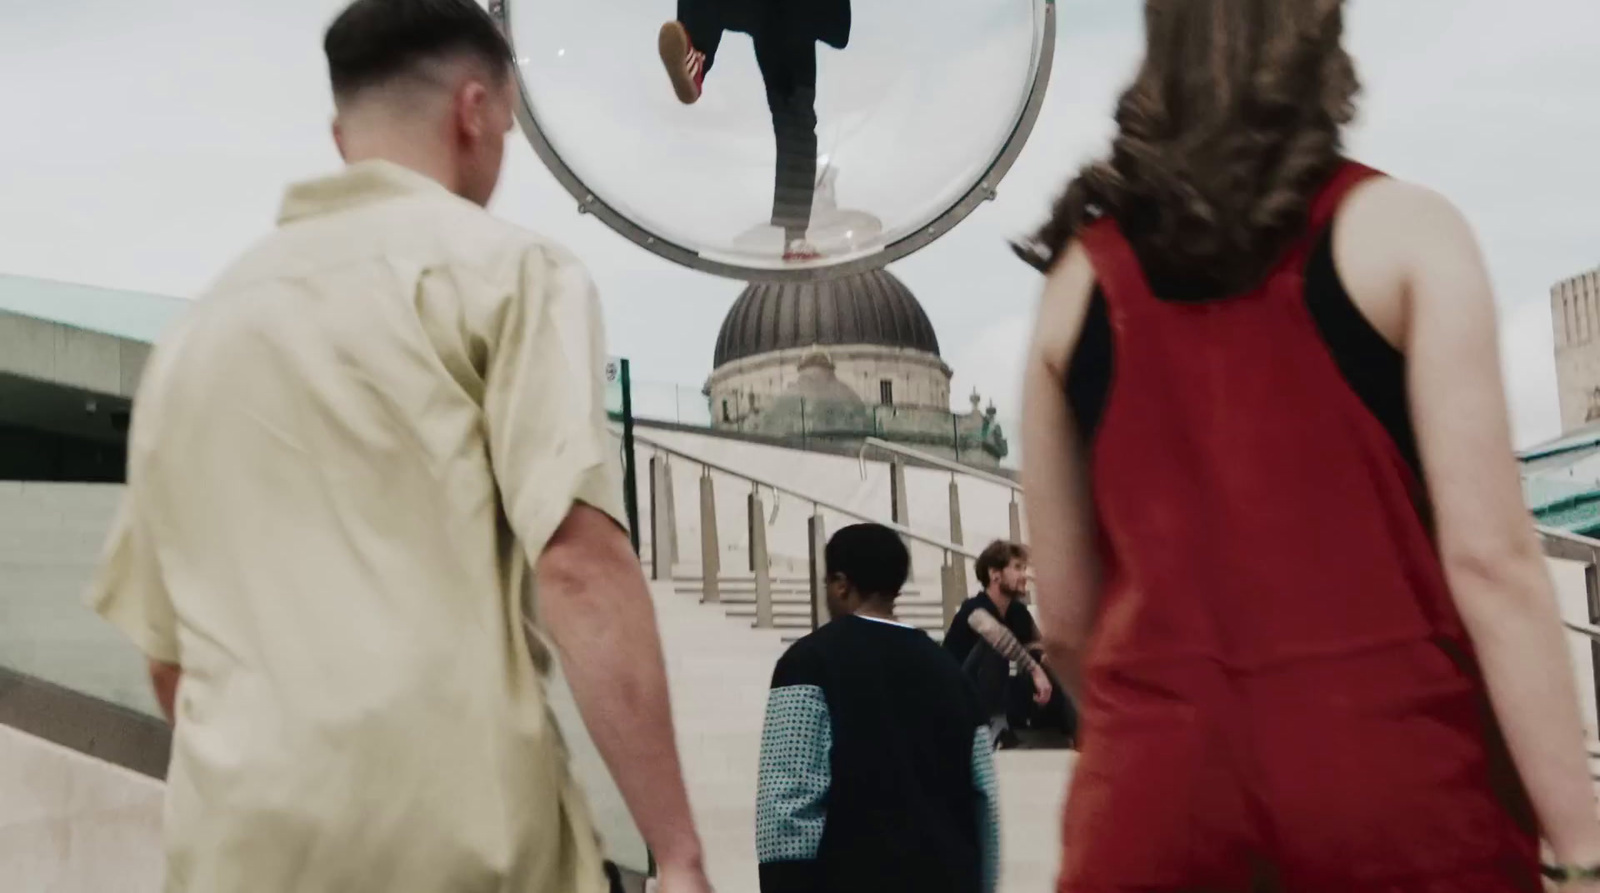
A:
[341, 462]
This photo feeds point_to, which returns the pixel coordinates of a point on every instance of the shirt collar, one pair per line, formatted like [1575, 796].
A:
[358, 184]
[883, 621]
[994, 607]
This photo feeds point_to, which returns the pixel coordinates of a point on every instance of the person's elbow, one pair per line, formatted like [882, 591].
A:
[582, 561]
[1496, 579]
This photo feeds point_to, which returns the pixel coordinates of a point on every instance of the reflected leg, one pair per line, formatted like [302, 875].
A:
[705, 22]
[688, 45]
[788, 61]
[989, 672]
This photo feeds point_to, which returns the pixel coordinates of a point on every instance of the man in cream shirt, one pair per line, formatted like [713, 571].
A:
[347, 464]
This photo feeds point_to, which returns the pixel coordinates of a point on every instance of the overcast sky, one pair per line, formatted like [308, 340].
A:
[146, 143]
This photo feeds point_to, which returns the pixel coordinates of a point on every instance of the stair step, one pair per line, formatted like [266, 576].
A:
[779, 598]
[791, 638]
[736, 586]
[749, 595]
[908, 612]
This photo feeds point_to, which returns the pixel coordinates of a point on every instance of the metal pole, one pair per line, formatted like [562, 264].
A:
[951, 586]
[897, 503]
[759, 561]
[710, 556]
[660, 548]
[819, 581]
[672, 509]
[957, 561]
[630, 484]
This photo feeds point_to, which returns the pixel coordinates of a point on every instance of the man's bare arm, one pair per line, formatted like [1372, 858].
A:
[1002, 640]
[595, 605]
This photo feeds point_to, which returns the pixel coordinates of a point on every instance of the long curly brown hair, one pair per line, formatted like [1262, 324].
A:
[1229, 128]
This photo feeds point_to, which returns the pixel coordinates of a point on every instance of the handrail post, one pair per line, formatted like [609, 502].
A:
[951, 586]
[660, 525]
[672, 511]
[817, 534]
[897, 505]
[759, 562]
[710, 555]
[956, 561]
[1016, 518]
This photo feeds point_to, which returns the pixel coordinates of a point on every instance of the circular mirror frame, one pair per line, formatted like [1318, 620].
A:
[983, 190]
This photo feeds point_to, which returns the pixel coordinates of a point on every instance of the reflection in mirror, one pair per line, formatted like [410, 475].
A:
[774, 135]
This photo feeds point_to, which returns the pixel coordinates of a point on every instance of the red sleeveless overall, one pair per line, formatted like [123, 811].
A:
[1279, 693]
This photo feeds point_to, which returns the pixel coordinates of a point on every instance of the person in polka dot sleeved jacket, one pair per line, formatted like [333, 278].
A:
[877, 768]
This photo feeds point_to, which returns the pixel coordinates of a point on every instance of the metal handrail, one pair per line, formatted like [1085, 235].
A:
[801, 495]
[939, 462]
[1567, 535]
[1583, 629]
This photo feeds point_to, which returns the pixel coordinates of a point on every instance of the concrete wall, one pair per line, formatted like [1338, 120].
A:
[74, 824]
[51, 536]
[62, 355]
[920, 379]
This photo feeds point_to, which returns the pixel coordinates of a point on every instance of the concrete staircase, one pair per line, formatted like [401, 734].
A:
[918, 606]
[718, 670]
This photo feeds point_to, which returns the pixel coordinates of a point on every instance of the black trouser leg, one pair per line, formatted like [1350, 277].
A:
[1059, 714]
[990, 674]
[705, 22]
[788, 63]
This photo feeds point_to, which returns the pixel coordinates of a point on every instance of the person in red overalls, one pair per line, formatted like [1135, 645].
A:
[1283, 563]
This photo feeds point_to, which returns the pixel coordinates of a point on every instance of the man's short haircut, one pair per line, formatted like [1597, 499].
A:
[995, 557]
[871, 557]
[373, 41]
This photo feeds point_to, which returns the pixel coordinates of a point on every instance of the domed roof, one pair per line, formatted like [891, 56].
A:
[868, 308]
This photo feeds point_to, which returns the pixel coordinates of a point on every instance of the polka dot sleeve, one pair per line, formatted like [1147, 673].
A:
[795, 774]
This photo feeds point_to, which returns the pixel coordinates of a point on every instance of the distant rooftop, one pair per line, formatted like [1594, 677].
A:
[136, 316]
[1561, 481]
[1583, 438]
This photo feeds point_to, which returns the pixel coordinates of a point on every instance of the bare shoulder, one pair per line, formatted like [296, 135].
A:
[1400, 224]
[1393, 238]
[1062, 308]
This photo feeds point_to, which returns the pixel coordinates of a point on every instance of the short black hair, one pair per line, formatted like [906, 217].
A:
[375, 40]
[871, 557]
[995, 557]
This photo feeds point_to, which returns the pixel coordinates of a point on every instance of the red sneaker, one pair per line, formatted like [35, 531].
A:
[686, 66]
[800, 251]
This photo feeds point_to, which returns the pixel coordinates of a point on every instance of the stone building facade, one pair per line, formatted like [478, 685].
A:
[841, 360]
[1575, 315]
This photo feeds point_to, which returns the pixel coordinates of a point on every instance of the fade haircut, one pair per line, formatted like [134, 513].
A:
[375, 41]
[871, 557]
[995, 557]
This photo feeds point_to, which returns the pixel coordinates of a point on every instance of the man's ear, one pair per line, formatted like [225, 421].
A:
[471, 109]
